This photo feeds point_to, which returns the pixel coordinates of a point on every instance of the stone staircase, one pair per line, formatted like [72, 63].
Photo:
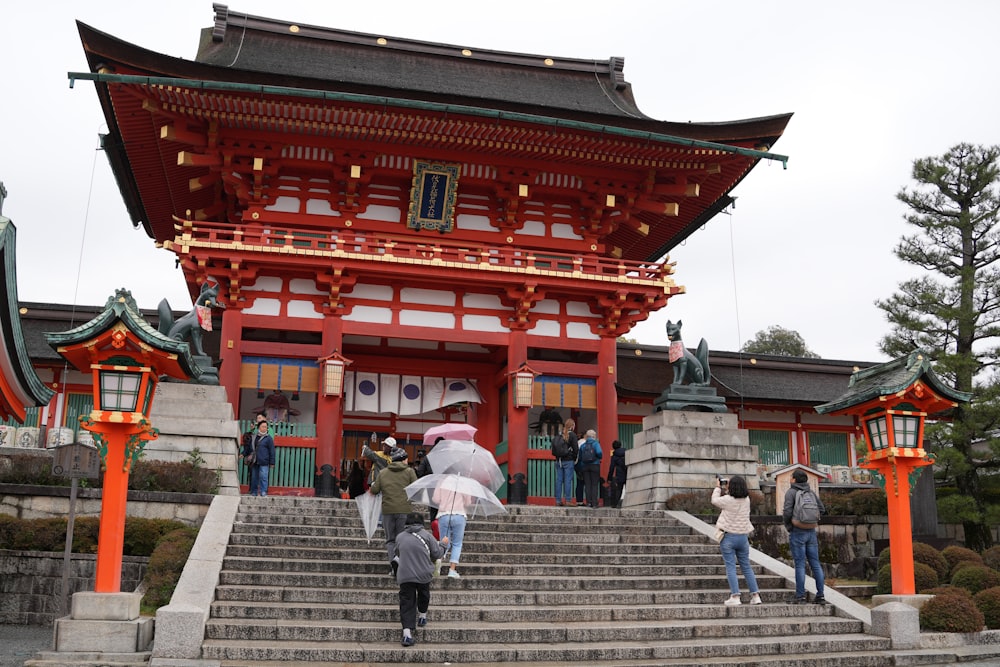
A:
[301, 585]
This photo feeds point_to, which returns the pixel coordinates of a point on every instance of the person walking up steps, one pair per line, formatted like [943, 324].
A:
[392, 483]
[564, 449]
[416, 552]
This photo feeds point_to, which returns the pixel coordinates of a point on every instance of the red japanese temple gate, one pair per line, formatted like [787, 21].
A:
[438, 215]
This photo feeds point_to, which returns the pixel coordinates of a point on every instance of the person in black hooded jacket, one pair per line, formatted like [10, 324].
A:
[617, 473]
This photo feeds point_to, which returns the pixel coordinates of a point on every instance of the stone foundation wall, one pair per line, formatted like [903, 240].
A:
[31, 583]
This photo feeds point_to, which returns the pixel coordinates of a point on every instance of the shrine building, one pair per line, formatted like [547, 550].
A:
[429, 218]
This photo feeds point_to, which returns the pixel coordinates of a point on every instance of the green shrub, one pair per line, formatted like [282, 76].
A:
[924, 577]
[179, 477]
[991, 557]
[951, 613]
[884, 584]
[988, 602]
[31, 469]
[975, 578]
[955, 554]
[947, 590]
[862, 502]
[922, 553]
[140, 538]
[165, 566]
[928, 555]
[176, 476]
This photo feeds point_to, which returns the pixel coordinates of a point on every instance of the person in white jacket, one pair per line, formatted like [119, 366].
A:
[734, 522]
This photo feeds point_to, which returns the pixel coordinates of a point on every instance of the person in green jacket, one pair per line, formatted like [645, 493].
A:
[392, 483]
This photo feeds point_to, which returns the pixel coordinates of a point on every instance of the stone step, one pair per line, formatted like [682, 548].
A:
[489, 580]
[695, 545]
[464, 611]
[520, 632]
[778, 600]
[485, 563]
[577, 648]
[88, 659]
[860, 659]
[469, 555]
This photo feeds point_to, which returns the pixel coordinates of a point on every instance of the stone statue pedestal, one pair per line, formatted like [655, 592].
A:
[689, 397]
[682, 452]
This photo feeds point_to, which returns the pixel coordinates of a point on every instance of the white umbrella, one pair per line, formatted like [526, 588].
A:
[370, 508]
[448, 492]
[466, 458]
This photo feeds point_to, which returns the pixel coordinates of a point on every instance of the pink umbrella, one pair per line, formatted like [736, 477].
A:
[455, 431]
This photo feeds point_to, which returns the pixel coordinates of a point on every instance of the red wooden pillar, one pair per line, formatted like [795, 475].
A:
[607, 399]
[230, 356]
[517, 425]
[329, 418]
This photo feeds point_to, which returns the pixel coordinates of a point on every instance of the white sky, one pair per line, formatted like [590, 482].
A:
[873, 85]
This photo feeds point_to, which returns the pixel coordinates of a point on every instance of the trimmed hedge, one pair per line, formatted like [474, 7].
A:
[951, 613]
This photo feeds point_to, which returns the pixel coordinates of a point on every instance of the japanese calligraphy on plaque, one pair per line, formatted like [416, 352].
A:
[432, 197]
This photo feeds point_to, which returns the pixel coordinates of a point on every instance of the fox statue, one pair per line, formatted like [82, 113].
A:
[687, 366]
[191, 324]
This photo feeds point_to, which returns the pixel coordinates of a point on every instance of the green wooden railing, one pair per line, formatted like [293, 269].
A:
[829, 448]
[294, 467]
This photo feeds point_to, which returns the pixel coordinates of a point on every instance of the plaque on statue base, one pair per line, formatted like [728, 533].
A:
[690, 398]
[683, 452]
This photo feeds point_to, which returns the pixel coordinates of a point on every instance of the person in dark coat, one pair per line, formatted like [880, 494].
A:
[416, 551]
[259, 454]
[617, 473]
[356, 480]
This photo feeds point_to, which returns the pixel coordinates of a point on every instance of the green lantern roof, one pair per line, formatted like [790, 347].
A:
[891, 378]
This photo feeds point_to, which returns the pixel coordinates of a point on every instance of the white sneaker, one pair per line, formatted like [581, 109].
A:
[454, 574]
[733, 601]
[755, 599]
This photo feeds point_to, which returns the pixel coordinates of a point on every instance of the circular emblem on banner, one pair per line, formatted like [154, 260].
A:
[367, 387]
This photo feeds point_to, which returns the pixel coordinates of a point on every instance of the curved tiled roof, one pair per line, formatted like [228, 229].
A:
[22, 387]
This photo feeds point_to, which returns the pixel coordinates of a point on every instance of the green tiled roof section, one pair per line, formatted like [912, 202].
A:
[122, 307]
[892, 377]
[11, 321]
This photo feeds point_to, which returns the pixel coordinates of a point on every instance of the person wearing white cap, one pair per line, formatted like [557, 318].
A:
[392, 483]
[380, 460]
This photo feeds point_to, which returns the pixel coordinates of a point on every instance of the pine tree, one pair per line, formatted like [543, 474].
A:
[953, 313]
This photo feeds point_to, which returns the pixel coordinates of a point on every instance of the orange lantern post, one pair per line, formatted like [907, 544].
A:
[892, 401]
[125, 357]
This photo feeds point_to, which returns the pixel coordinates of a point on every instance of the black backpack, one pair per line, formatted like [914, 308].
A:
[587, 452]
[560, 448]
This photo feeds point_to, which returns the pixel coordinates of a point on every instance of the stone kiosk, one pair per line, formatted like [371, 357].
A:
[689, 439]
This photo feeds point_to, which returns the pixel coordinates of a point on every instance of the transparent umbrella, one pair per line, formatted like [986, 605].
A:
[448, 492]
[370, 508]
[466, 458]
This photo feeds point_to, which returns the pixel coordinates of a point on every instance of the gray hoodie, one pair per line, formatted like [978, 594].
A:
[789, 507]
[416, 550]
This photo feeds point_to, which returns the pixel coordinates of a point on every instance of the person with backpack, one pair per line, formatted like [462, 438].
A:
[735, 527]
[564, 449]
[589, 462]
[801, 512]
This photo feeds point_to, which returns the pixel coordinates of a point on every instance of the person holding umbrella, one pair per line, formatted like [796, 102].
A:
[391, 483]
[452, 518]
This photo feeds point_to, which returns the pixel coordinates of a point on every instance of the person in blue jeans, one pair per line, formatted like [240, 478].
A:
[261, 449]
[734, 522]
[802, 542]
[564, 464]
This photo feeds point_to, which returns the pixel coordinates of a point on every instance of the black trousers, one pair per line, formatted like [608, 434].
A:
[592, 484]
[413, 598]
